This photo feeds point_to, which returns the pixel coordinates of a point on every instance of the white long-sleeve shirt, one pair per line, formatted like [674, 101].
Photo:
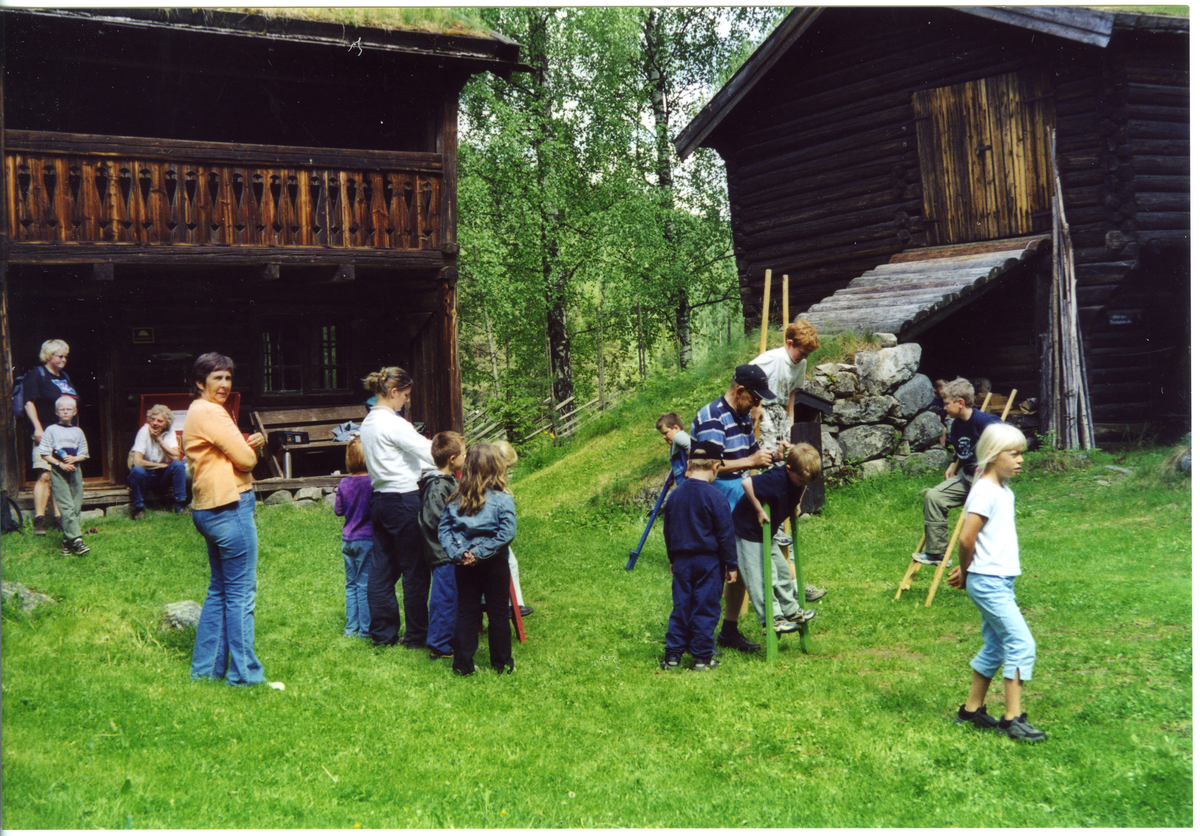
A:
[395, 452]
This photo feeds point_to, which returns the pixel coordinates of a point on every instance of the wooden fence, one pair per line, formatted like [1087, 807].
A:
[478, 425]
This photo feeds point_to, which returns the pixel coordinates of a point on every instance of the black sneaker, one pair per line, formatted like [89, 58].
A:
[738, 642]
[437, 654]
[705, 664]
[670, 662]
[457, 672]
[926, 559]
[39, 526]
[1018, 728]
[979, 718]
[79, 547]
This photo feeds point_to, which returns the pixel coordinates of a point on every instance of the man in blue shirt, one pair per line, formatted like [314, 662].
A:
[728, 421]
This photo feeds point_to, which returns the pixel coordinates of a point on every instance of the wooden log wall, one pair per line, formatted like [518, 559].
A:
[122, 199]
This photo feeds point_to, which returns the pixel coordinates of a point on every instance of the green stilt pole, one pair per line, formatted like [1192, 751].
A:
[799, 583]
[769, 597]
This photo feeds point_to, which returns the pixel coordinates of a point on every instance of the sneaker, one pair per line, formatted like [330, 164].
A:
[802, 616]
[979, 717]
[782, 539]
[436, 654]
[926, 559]
[526, 611]
[79, 547]
[66, 548]
[705, 664]
[136, 513]
[670, 662]
[782, 625]
[457, 672]
[738, 642]
[813, 593]
[1018, 728]
[39, 526]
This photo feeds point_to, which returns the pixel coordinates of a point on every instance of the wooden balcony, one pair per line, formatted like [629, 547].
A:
[73, 197]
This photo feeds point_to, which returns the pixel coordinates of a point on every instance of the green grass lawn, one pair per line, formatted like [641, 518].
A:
[103, 728]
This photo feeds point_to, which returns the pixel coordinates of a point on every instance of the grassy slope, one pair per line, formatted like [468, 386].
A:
[102, 727]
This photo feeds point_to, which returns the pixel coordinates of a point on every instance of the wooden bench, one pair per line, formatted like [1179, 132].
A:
[318, 422]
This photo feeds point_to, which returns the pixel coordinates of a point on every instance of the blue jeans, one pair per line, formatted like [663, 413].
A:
[397, 553]
[225, 635]
[357, 556]
[1006, 638]
[443, 608]
[172, 478]
[696, 584]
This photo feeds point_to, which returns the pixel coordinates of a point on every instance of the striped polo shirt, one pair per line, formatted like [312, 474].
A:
[719, 423]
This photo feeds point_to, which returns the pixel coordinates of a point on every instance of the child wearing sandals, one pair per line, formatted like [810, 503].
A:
[989, 562]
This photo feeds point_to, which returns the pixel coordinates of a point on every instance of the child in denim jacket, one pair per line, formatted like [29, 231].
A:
[479, 523]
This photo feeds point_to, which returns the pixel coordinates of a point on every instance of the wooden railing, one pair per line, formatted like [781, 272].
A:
[68, 188]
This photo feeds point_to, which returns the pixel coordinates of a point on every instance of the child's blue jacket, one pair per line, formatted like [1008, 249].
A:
[483, 534]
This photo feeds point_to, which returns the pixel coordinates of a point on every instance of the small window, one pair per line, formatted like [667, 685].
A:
[301, 356]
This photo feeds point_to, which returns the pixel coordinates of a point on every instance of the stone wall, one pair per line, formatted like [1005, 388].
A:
[880, 419]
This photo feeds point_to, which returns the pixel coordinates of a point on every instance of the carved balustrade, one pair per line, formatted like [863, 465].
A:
[172, 193]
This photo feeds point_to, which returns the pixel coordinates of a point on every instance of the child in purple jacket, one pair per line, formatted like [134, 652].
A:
[353, 501]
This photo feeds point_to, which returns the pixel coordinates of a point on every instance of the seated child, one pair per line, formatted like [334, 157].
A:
[966, 428]
[352, 500]
[479, 522]
[701, 547]
[679, 441]
[63, 447]
[781, 488]
[449, 451]
[510, 461]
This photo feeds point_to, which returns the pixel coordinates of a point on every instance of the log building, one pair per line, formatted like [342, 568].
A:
[893, 162]
[279, 190]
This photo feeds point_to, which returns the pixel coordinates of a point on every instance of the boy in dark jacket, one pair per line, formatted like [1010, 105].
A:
[449, 451]
[698, 528]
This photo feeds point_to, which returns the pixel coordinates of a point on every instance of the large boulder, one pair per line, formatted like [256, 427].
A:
[875, 467]
[818, 388]
[884, 370]
[913, 396]
[923, 431]
[314, 494]
[931, 461]
[831, 451]
[844, 384]
[868, 441]
[868, 410]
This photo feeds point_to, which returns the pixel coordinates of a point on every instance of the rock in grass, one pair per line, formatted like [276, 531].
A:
[304, 503]
[181, 615]
[92, 514]
[24, 598]
[314, 494]
[330, 499]
[279, 498]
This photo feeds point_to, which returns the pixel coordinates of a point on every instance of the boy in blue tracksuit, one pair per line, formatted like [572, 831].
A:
[698, 528]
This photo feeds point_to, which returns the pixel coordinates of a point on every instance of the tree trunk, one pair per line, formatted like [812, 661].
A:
[491, 343]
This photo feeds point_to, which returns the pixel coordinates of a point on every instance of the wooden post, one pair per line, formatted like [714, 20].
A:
[766, 311]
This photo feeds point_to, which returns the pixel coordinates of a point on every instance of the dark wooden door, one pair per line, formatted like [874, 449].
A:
[985, 163]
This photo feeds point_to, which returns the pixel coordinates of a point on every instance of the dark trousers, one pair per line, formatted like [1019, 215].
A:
[696, 585]
[489, 578]
[397, 554]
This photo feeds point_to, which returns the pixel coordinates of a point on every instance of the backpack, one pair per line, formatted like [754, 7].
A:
[18, 393]
[7, 508]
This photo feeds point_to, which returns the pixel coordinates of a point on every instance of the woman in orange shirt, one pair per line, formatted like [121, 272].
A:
[223, 512]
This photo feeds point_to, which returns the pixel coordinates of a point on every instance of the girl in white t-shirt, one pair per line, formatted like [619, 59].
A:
[989, 562]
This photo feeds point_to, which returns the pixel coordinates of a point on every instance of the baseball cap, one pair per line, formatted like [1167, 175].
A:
[706, 450]
[754, 379]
